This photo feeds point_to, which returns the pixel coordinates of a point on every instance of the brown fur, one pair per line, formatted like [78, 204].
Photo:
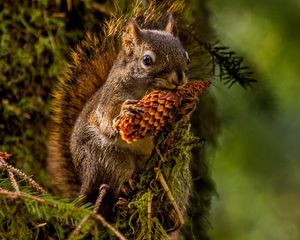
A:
[84, 75]
[88, 71]
[84, 149]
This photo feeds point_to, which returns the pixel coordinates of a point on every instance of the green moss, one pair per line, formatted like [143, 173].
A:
[35, 38]
[32, 53]
[58, 218]
[35, 41]
[172, 157]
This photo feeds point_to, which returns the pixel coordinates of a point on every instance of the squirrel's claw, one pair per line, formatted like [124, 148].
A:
[131, 101]
[132, 184]
[129, 106]
[128, 113]
[129, 187]
[122, 203]
[128, 109]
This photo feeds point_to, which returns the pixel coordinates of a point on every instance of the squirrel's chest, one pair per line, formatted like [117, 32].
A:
[142, 149]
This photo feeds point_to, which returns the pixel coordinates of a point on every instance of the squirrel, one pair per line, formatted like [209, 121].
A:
[84, 150]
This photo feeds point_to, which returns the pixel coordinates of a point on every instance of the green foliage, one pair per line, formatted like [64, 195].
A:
[25, 218]
[32, 42]
[35, 38]
[172, 157]
[44, 217]
[26, 214]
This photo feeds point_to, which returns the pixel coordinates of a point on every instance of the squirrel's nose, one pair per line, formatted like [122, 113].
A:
[178, 78]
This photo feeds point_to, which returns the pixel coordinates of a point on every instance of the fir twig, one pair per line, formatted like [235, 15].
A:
[96, 217]
[14, 195]
[166, 188]
[149, 213]
[76, 231]
[102, 192]
[13, 181]
[231, 69]
[22, 175]
[230, 66]
[105, 224]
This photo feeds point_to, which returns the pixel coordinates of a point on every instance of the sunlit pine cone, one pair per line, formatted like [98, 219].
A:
[157, 110]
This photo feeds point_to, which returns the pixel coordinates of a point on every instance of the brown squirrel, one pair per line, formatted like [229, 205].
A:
[84, 149]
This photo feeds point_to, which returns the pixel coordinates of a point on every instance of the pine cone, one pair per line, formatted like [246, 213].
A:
[157, 110]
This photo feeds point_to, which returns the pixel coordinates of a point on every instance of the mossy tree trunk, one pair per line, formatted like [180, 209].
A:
[35, 38]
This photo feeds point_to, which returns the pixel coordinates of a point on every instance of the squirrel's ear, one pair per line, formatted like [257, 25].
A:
[131, 35]
[171, 26]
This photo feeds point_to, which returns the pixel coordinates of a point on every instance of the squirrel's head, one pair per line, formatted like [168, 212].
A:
[155, 57]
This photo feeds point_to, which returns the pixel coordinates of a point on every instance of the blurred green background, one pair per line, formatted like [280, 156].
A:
[257, 164]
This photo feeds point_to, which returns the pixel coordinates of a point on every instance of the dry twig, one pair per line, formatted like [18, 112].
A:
[22, 175]
[13, 181]
[165, 186]
[149, 213]
[14, 195]
[102, 191]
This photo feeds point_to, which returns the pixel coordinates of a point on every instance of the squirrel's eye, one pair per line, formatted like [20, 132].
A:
[147, 60]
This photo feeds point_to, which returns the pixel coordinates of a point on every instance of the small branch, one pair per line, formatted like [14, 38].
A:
[230, 66]
[169, 194]
[107, 225]
[149, 213]
[13, 181]
[102, 191]
[96, 217]
[14, 195]
[69, 5]
[76, 231]
[160, 155]
[22, 175]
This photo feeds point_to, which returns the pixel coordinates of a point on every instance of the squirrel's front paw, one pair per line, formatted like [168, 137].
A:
[127, 190]
[129, 108]
[128, 187]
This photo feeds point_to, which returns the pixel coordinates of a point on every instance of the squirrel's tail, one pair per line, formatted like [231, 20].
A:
[90, 64]
[89, 67]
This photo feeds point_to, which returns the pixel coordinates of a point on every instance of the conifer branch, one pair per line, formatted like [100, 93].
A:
[225, 63]
[102, 192]
[97, 217]
[103, 189]
[15, 195]
[13, 181]
[231, 69]
[33, 184]
[108, 226]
